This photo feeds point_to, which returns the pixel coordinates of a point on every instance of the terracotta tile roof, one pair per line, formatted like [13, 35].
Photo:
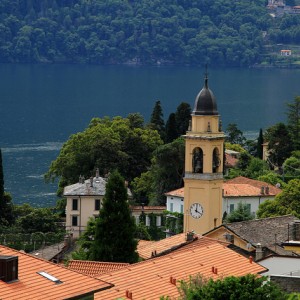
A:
[94, 268]
[264, 231]
[150, 249]
[148, 208]
[242, 186]
[153, 278]
[239, 187]
[230, 161]
[32, 285]
[176, 193]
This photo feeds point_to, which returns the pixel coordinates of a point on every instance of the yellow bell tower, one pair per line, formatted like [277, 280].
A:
[204, 153]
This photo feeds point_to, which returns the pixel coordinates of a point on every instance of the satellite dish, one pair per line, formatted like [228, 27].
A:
[278, 185]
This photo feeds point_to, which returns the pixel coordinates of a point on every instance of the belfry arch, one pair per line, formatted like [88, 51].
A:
[216, 161]
[197, 160]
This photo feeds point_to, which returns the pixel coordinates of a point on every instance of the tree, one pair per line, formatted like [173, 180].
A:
[6, 208]
[242, 213]
[234, 135]
[107, 144]
[259, 147]
[183, 117]
[245, 287]
[287, 202]
[279, 144]
[291, 166]
[157, 122]
[293, 120]
[115, 228]
[171, 129]
[166, 172]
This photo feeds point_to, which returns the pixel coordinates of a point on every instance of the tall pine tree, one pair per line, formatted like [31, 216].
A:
[115, 228]
[6, 214]
[183, 117]
[157, 121]
[259, 147]
[171, 129]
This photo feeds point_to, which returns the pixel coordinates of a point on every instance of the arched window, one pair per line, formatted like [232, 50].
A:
[216, 162]
[197, 160]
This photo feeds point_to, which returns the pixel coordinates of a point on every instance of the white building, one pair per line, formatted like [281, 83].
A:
[240, 189]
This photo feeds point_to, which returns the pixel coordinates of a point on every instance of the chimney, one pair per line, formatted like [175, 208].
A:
[262, 190]
[259, 253]
[8, 268]
[267, 190]
[97, 173]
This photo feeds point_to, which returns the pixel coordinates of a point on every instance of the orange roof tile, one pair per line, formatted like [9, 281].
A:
[230, 161]
[176, 193]
[148, 208]
[94, 268]
[243, 187]
[31, 285]
[147, 250]
[239, 187]
[159, 276]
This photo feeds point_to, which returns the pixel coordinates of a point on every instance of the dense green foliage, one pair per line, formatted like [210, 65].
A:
[222, 32]
[115, 228]
[165, 174]
[248, 287]
[6, 216]
[106, 144]
[287, 202]
[242, 213]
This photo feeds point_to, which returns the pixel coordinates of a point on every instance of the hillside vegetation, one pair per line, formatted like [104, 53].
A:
[219, 32]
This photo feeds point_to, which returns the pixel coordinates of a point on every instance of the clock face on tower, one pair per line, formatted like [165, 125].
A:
[196, 210]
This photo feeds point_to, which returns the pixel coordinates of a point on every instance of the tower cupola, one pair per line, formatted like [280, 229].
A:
[205, 103]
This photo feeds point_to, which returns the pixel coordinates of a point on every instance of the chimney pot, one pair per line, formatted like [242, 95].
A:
[250, 259]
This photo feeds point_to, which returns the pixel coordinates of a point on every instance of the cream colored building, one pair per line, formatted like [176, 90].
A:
[84, 200]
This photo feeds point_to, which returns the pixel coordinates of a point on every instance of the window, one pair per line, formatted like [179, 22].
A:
[137, 220]
[97, 204]
[231, 208]
[171, 207]
[75, 204]
[181, 208]
[74, 220]
[158, 221]
[147, 221]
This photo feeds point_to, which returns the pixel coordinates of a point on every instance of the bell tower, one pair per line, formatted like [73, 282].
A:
[204, 152]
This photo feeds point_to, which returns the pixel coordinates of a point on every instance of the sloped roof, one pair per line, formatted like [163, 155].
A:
[97, 188]
[239, 187]
[243, 187]
[266, 231]
[230, 160]
[151, 279]
[176, 193]
[150, 249]
[94, 268]
[32, 285]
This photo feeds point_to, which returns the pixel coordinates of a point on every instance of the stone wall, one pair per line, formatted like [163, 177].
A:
[289, 284]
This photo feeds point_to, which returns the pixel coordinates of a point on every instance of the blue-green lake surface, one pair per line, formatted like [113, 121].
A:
[42, 105]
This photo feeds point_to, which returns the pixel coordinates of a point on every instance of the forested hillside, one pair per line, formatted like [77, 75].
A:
[219, 32]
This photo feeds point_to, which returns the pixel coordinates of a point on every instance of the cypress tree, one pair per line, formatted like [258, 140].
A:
[157, 121]
[259, 147]
[115, 228]
[183, 117]
[171, 129]
[6, 215]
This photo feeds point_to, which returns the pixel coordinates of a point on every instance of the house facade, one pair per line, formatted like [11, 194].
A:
[240, 189]
[84, 201]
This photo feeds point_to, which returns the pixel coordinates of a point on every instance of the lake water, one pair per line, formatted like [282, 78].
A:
[42, 105]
